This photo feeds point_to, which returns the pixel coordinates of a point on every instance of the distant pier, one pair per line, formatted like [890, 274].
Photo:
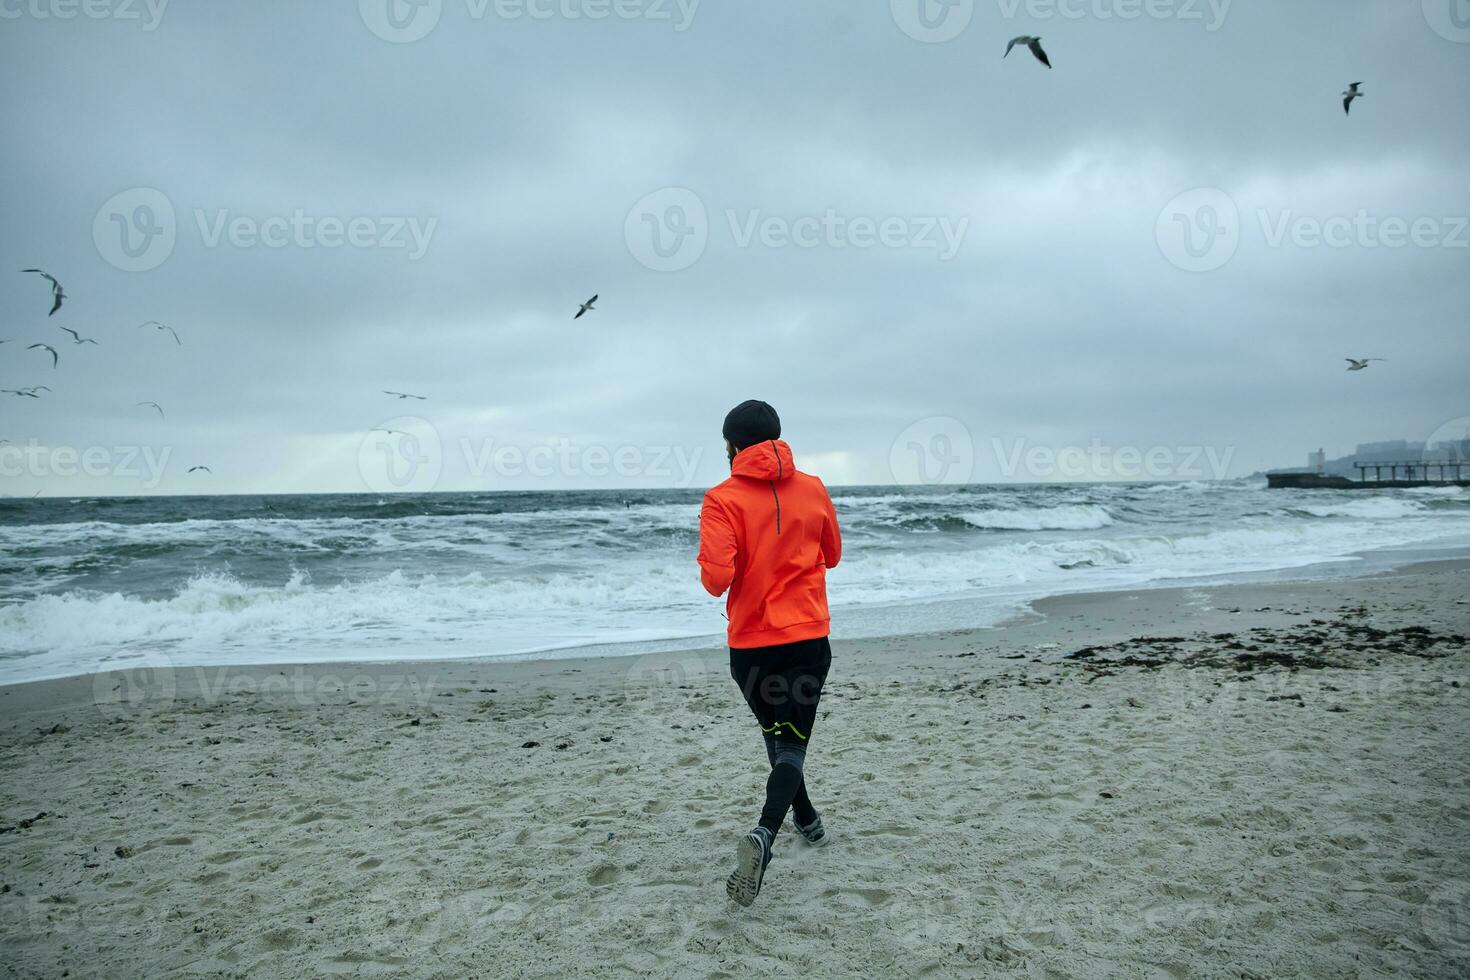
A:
[1401, 473]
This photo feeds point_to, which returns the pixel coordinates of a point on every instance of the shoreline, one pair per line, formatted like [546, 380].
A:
[1023, 613]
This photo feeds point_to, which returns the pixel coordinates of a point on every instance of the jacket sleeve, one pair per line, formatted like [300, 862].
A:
[831, 534]
[716, 548]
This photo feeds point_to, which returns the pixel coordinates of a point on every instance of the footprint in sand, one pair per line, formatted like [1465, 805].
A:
[607, 874]
[888, 831]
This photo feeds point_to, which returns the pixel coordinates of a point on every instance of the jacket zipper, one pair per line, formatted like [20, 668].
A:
[780, 472]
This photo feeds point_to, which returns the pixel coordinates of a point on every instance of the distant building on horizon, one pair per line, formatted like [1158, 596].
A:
[1386, 451]
[1392, 449]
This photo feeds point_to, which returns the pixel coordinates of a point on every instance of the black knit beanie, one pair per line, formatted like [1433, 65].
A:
[751, 422]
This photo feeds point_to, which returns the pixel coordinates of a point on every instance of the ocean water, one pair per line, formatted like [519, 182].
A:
[90, 583]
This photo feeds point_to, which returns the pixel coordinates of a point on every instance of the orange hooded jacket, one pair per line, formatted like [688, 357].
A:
[769, 534]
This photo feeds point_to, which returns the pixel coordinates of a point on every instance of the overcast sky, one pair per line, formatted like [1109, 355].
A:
[937, 263]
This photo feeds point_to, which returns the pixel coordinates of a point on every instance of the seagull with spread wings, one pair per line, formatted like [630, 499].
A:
[1359, 363]
[162, 326]
[55, 357]
[401, 395]
[584, 307]
[1348, 96]
[58, 294]
[1034, 43]
[77, 338]
[152, 405]
[204, 468]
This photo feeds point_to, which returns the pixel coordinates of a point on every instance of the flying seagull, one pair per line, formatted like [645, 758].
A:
[22, 392]
[400, 395]
[153, 405]
[55, 357]
[1034, 43]
[1357, 364]
[584, 307]
[1348, 96]
[57, 293]
[77, 338]
[162, 326]
[391, 432]
[204, 468]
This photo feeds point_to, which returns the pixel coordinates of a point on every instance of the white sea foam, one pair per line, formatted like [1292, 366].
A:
[1073, 517]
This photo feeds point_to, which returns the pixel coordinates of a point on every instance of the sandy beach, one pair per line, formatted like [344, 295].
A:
[1245, 781]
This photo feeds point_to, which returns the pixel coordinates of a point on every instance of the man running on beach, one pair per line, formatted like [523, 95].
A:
[769, 534]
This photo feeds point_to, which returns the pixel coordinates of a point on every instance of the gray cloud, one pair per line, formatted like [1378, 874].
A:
[520, 145]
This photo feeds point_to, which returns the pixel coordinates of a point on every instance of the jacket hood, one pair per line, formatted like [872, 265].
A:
[770, 460]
